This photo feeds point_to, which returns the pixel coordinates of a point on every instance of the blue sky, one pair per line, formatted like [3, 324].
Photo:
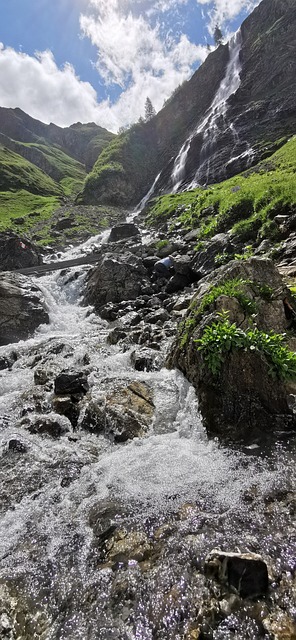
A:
[65, 61]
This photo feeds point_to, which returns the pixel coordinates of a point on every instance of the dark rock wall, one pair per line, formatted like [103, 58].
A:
[262, 111]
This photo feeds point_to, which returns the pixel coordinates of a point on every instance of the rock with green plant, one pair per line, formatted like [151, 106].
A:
[236, 345]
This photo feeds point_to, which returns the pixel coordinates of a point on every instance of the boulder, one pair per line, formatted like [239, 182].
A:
[17, 252]
[71, 383]
[116, 278]
[124, 414]
[244, 573]
[146, 360]
[205, 260]
[51, 425]
[122, 231]
[22, 308]
[240, 398]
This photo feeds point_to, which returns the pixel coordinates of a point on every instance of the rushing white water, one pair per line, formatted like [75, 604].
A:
[208, 127]
[50, 492]
[144, 201]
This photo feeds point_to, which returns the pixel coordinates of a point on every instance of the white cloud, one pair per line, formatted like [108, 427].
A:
[135, 54]
[39, 87]
[224, 10]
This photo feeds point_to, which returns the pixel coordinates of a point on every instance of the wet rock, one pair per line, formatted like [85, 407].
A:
[6, 362]
[245, 573]
[49, 425]
[178, 282]
[241, 399]
[17, 252]
[280, 625]
[146, 360]
[71, 383]
[22, 308]
[122, 231]
[128, 412]
[129, 319]
[117, 278]
[65, 406]
[116, 335]
[17, 446]
[124, 546]
[161, 315]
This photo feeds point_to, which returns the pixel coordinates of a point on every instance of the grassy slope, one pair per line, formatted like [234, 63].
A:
[246, 203]
[17, 173]
[71, 171]
[120, 167]
[25, 189]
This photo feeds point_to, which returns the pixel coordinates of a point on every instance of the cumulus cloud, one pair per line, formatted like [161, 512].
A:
[137, 55]
[39, 87]
[224, 10]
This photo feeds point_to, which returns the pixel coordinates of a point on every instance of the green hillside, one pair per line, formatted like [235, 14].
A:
[68, 171]
[245, 204]
[17, 173]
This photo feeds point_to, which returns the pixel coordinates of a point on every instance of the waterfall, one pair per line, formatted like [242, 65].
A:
[209, 125]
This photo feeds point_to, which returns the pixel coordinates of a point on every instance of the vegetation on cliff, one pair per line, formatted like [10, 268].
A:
[245, 204]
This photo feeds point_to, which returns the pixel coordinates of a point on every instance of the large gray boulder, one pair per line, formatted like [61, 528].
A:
[123, 231]
[22, 308]
[117, 278]
[17, 252]
[245, 396]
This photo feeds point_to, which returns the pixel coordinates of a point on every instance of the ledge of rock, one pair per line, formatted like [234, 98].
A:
[242, 399]
[17, 252]
[22, 308]
[244, 573]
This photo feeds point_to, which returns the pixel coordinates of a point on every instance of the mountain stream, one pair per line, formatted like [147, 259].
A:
[105, 540]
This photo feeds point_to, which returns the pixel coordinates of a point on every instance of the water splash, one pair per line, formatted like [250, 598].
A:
[209, 127]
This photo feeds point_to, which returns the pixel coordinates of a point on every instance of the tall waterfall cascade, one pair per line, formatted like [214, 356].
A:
[209, 126]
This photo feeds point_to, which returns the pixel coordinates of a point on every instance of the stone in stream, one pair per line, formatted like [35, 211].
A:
[51, 425]
[22, 308]
[146, 360]
[71, 383]
[117, 278]
[122, 231]
[245, 573]
[124, 414]
[17, 252]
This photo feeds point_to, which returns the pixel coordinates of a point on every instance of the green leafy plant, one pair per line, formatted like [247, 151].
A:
[222, 337]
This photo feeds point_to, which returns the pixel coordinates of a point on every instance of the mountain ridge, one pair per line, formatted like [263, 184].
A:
[262, 109]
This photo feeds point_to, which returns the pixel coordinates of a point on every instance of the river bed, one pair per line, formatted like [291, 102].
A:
[103, 540]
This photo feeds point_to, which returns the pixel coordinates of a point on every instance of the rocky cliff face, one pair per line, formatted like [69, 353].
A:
[258, 113]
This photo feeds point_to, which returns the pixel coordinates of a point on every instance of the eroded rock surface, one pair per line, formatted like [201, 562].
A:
[116, 278]
[22, 308]
[17, 252]
[245, 396]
